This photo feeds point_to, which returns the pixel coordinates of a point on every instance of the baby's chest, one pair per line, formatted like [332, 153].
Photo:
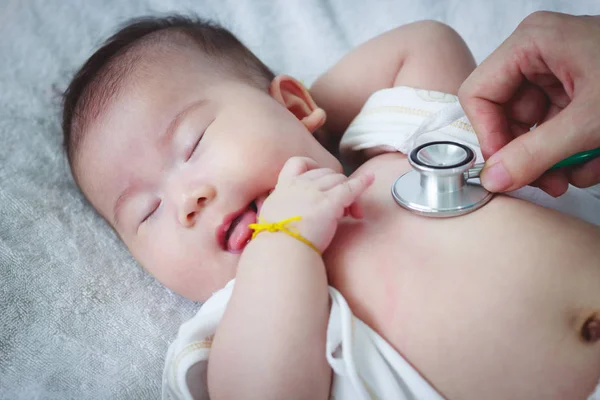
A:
[365, 264]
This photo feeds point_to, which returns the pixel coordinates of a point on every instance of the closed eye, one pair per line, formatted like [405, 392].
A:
[195, 147]
[198, 142]
[151, 212]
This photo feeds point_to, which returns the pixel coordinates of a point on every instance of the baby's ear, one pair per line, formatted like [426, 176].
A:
[296, 98]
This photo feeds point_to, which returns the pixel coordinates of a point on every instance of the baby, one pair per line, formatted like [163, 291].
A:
[180, 137]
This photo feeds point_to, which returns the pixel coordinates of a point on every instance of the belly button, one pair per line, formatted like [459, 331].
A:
[590, 331]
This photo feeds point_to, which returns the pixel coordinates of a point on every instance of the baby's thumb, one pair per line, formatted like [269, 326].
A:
[527, 157]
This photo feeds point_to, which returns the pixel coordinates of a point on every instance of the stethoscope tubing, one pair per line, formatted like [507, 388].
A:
[577, 159]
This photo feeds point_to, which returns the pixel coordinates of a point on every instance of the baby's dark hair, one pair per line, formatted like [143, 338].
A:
[102, 75]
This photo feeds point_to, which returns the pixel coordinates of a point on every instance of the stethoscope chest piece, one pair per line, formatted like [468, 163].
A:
[438, 186]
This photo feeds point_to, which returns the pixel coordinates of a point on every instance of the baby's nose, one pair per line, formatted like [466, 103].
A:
[193, 202]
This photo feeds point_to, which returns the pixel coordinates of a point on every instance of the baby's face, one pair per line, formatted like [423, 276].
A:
[179, 162]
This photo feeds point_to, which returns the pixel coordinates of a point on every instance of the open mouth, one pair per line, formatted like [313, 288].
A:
[234, 233]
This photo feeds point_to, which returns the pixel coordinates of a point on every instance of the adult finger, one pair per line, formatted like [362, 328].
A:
[527, 157]
[533, 63]
[554, 182]
[528, 106]
[585, 175]
[484, 94]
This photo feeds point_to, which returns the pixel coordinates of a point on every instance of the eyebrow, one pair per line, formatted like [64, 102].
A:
[166, 137]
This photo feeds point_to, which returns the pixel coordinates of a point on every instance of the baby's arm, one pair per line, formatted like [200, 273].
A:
[426, 55]
[270, 343]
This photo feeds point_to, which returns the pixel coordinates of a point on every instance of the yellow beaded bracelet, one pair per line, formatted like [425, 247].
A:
[281, 226]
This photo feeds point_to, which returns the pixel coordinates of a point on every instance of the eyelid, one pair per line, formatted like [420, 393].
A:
[151, 212]
[194, 147]
[198, 141]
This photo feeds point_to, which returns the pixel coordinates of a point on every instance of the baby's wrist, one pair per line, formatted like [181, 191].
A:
[286, 227]
[282, 245]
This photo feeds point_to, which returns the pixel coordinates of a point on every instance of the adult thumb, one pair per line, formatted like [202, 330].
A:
[527, 157]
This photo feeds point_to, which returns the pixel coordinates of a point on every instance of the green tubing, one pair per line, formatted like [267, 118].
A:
[578, 158]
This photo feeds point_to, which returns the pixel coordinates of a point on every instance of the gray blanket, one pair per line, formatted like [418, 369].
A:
[78, 318]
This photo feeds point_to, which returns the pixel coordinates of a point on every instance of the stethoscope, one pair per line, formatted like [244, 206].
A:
[442, 181]
[439, 185]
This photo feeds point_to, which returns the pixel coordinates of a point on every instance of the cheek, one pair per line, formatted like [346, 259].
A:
[279, 143]
[172, 261]
[279, 126]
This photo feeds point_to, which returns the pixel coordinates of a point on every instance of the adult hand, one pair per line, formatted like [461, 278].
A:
[546, 73]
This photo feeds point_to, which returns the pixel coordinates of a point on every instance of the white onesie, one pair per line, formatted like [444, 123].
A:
[401, 118]
[364, 365]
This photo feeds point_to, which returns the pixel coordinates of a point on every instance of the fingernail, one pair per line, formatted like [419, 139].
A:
[496, 178]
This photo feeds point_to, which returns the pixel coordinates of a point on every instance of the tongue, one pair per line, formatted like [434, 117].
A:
[241, 233]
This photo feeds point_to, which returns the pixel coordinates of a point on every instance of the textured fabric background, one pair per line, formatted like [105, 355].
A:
[78, 318]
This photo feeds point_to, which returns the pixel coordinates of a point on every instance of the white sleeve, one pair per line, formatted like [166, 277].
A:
[192, 346]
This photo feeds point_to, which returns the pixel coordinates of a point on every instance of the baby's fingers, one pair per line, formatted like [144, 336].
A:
[318, 173]
[348, 191]
[296, 166]
[330, 181]
[355, 210]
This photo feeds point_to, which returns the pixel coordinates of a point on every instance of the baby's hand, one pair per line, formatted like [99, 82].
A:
[320, 196]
